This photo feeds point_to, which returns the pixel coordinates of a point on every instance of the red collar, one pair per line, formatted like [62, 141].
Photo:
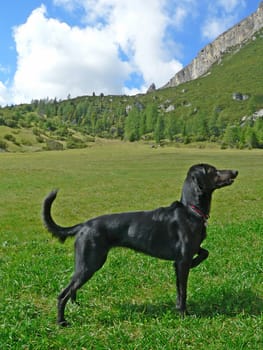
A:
[199, 212]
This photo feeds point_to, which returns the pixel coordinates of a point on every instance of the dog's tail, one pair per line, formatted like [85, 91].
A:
[60, 232]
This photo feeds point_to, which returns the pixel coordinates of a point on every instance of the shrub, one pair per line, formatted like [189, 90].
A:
[10, 137]
[89, 138]
[26, 142]
[11, 123]
[53, 145]
[36, 131]
[75, 143]
[148, 137]
[3, 145]
[40, 139]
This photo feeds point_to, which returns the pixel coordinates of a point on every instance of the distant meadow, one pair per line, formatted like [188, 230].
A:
[130, 302]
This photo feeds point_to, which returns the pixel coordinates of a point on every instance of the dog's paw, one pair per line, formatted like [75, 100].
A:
[63, 323]
[183, 312]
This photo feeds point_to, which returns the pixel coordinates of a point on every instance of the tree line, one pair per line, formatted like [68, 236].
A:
[128, 118]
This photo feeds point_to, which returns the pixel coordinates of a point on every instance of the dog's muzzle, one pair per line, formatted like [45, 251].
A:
[225, 177]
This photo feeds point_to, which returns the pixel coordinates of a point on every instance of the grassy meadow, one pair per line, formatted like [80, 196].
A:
[130, 303]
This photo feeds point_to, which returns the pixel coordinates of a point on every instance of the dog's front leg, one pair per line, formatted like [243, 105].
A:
[201, 256]
[182, 268]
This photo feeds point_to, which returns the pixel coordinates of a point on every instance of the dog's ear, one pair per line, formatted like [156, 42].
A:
[197, 179]
[197, 187]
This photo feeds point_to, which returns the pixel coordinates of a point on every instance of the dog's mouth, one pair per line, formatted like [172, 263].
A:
[226, 177]
[229, 181]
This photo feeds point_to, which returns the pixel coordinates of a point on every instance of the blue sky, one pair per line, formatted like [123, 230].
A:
[53, 48]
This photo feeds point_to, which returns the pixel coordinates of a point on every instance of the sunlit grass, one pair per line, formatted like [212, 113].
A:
[130, 303]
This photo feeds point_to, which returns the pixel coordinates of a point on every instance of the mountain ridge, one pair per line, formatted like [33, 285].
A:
[235, 37]
[223, 108]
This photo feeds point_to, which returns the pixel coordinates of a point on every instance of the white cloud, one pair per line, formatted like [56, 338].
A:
[222, 15]
[180, 11]
[116, 39]
[67, 4]
[3, 94]
[138, 27]
[4, 69]
[231, 5]
[215, 26]
[179, 16]
[55, 59]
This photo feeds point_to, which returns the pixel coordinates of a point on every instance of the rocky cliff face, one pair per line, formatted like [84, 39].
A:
[235, 37]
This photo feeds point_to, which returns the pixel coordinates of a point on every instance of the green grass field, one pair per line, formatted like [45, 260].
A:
[130, 303]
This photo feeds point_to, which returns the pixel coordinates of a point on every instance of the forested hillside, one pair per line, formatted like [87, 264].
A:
[223, 107]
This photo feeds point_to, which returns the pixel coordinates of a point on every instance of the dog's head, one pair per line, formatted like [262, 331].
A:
[208, 178]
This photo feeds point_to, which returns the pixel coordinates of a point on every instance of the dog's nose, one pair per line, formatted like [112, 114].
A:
[235, 173]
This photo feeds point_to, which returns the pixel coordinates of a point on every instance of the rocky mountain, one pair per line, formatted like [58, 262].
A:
[231, 40]
[224, 107]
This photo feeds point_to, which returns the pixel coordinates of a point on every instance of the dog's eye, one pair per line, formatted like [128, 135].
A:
[210, 171]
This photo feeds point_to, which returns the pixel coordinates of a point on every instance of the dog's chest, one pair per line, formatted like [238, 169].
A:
[203, 232]
[197, 231]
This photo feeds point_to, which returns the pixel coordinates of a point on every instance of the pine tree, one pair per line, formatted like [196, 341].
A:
[159, 129]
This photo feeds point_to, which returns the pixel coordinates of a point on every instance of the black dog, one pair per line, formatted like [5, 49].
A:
[172, 233]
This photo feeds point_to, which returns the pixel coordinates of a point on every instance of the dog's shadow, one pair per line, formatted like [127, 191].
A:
[229, 304]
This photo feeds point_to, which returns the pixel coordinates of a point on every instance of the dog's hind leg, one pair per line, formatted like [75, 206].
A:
[73, 298]
[88, 261]
[77, 281]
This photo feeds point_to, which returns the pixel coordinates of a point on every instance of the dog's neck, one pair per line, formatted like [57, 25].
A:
[195, 199]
